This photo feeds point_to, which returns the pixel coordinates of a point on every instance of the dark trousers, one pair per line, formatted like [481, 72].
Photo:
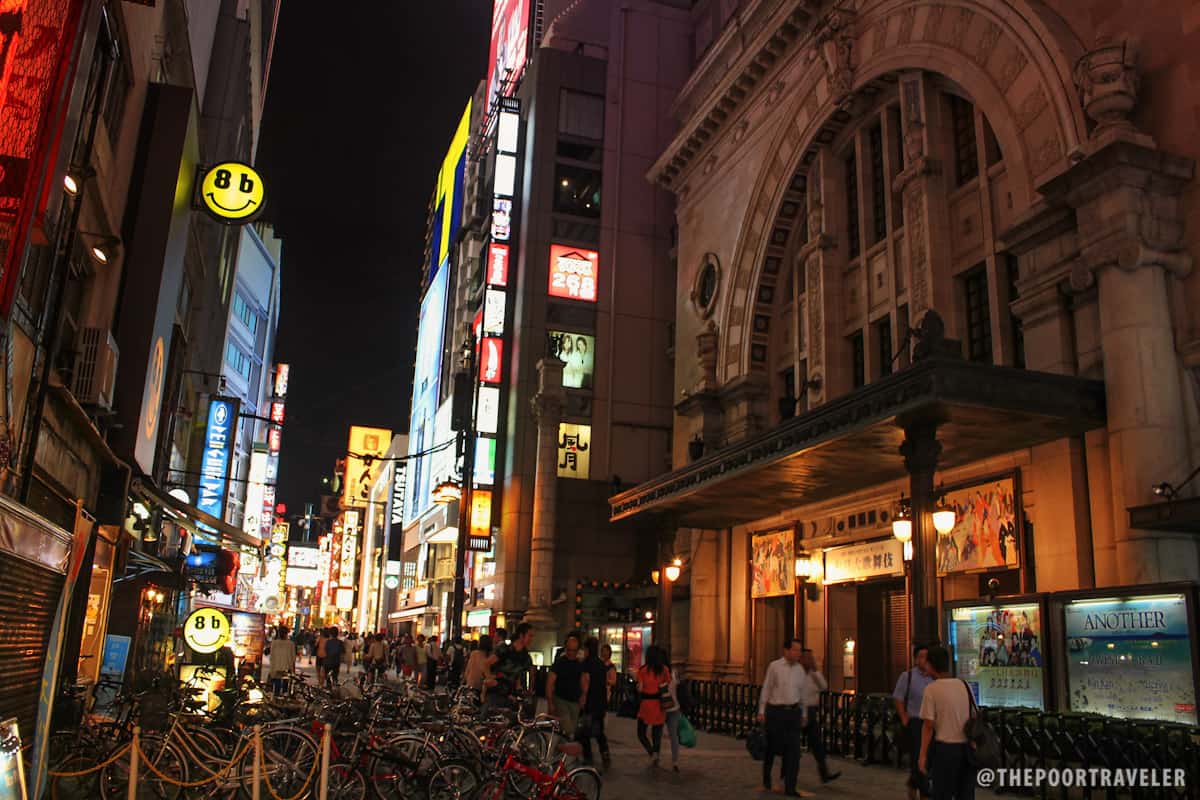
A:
[916, 779]
[816, 742]
[784, 731]
[655, 733]
[950, 776]
[594, 730]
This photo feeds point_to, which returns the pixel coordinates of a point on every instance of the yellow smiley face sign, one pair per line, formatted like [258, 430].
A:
[232, 192]
[206, 630]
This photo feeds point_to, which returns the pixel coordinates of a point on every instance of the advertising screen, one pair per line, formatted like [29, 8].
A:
[214, 465]
[510, 46]
[1131, 657]
[577, 352]
[998, 652]
[573, 272]
[425, 392]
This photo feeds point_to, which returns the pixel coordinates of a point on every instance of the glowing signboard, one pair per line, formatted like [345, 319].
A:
[574, 460]
[232, 192]
[510, 47]
[366, 447]
[277, 412]
[497, 264]
[282, 373]
[577, 352]
[487, 415]
[206, 630]
[573, 272]
[214, 464]
[493, 312]
[491, 358]
[349, 548]
[501, 219]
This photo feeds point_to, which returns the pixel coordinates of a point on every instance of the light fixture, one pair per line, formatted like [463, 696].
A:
[902, 522]
[447, 492]
[803, 567]
[654, 576]
[944, 517]
[649, 616]
[74, 178]
[673, 570]
[105, 250]
[908, 550]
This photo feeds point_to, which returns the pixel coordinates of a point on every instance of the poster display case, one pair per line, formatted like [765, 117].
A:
[999, 650]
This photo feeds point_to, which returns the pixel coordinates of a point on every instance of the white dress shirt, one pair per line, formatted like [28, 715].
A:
[814, 684]
[784, 685]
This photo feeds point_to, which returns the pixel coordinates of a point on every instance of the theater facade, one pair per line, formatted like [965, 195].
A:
[935, 263]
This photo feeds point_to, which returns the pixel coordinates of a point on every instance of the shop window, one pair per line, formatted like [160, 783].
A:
[878, 181]
[858, 355]
[854, 246]
[979, 320]
[966, 154]
[883, 339]
[576, 190]
[1016, 326]
[580, 151]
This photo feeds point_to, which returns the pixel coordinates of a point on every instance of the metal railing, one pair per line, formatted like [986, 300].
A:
[866, 728]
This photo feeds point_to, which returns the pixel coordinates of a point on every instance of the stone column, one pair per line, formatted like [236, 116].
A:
[548, 406]
[921, 450]
[822, 280]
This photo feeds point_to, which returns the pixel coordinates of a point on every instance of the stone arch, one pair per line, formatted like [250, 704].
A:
[1015, 59]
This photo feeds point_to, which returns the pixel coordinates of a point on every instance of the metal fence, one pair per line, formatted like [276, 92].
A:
[864, 727]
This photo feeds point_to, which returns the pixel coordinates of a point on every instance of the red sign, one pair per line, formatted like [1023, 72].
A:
[274, 439]
[510, 47]
[497, 264]
[491, 358]
[477, 325]
[573, 272]
[277, 412]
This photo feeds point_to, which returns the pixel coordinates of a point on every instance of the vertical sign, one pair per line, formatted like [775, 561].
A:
[399, 479]
[349, 547]
[214, 465]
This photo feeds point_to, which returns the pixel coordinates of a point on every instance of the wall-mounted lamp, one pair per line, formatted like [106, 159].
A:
[673, 570]
[944, 517]
[902, 521]
[75, 177]
[908, 550]
[446, 492]
[104, 249]
[654, 576]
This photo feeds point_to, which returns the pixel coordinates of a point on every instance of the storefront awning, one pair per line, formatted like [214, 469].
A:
[853, 442]
[192, 518]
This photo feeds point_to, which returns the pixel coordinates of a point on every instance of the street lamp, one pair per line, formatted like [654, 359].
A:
[902, 527]
[944, 517]
[673, 570]
[447, 492]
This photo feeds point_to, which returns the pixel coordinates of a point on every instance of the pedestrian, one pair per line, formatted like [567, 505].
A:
[422, 658]
[781, 709]
[408, 657]
[479, 667]
[511, 669]
[456, 659]
[595, 705]
[334, 650]
[813, 687]
[433, 657]
[377, 658]
[348, 651]
[908, 694]
[356, 649]
[320, 655]
[671, 705]
[282, 651]
[567, 686]
[945, 709]
[610, 669]
[653, 680]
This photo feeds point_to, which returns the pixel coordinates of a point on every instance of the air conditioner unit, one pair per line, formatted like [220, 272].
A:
[95, 368]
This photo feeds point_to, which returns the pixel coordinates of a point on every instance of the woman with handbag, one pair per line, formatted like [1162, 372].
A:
[653, 678]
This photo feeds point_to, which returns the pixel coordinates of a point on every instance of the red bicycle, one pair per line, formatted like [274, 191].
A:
[580, 783]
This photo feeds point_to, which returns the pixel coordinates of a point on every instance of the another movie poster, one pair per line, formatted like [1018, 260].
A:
[998, 652]
[1131, 658]
[985, 534]
[774, 564]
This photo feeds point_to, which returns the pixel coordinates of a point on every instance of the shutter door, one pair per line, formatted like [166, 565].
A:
[29, 596]
[897, 626]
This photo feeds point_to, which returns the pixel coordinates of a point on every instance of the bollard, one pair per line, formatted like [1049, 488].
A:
[255, 792]
[324, 793]
[133, 762]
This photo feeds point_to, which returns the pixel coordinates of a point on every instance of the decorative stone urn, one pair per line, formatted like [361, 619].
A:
[1107, 79]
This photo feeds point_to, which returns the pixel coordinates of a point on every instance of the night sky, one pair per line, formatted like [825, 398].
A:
[362, 102]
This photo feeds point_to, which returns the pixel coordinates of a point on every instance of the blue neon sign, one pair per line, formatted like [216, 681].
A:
[214, 466]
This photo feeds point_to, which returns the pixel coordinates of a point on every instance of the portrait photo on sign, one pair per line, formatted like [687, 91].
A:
[577, 352]
[986, 532]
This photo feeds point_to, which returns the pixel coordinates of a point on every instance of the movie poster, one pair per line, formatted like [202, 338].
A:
[1131, 658]
[985, 534]
[998, 652]
[774, 564]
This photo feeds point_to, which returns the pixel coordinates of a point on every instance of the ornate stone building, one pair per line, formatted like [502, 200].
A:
[1024, 170]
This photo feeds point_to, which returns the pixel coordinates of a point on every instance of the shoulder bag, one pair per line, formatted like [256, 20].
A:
[983, 745]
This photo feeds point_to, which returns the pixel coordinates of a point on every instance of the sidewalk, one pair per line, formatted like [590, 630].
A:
[719, 768]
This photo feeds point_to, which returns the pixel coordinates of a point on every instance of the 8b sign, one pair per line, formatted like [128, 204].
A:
[206, 630]
[232, 192]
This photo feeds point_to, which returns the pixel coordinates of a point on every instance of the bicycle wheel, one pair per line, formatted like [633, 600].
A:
[71, 787]
[161, 768]
[455, 779]
[346, 782]
[581, 783]
[402, 767]
[289, 759]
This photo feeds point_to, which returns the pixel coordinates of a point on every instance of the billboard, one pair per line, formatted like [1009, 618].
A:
[366, 447]
[497, 264]
[252, 522]
[573, 272]
[487, 414]
[214, 464]
[346, 567]
[430, 332]
[577, 352]
[449, 193]
[510, 47]
[491, 359]
[574, 460]
[1131, 657]
[998, 651]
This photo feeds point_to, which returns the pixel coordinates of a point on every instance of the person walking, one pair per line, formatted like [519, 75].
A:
[479, 667]
[908, 694]
[781, 710]
[348, 651]
[813, 687]
[377, 658]
[433, 658]
[567, 686]
[672, 707]
[408, 658]
[422, 655]
[653, 680]
[282, 651]
[595, 704]
[335, 648]
[945, 709]
[456, 659]
[511, 669]
[610, 669]
[319, 655]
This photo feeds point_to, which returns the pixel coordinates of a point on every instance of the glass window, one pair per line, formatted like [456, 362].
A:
[859, 355]
[1017, 327]
[979, 320]
[576, 190]
[896, 143]
[883, 338]
[966, 154]
[577, 151]
[243, 311]
[853, 244]
[581, 115]
[878, 181]
[238, 360]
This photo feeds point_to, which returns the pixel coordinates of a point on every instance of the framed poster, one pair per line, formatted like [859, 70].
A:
[1131, 656]
[987, 528]
[773, 564]
[999, 651]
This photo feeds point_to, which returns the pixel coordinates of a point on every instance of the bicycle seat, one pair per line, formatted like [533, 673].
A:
[570, 749]
[436, 728]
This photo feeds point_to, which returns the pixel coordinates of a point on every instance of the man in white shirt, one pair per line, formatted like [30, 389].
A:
[282, 651]
[813, 687]
[945, 709]
[781, 708]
